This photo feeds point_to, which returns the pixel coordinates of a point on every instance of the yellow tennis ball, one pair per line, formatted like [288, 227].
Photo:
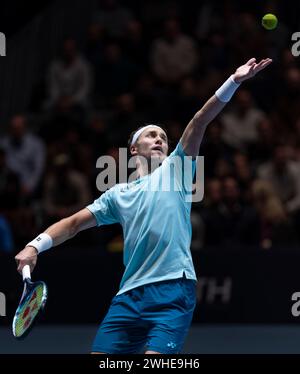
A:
[269, 21]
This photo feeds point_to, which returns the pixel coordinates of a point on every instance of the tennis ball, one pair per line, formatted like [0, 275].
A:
[269, 21]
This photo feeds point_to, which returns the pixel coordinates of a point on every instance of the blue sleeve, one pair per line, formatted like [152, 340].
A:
[104, 209]
[178, 151]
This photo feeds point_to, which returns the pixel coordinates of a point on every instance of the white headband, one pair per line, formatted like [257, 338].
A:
[138, 133]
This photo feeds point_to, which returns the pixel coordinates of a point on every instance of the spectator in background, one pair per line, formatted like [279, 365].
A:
[207, 19]
[243, 170]
[284, 175]
[69, 77]
[66, 190]
[16, 219]
[213, 219]
[238, 216]
[59, 119]
[227, 220]
[124, 118]
[197, 242]
[113, 17]
[153, 13]
[240, 124]
[262, 149]
[73, 142]
[187, 100]
[10, 190]
[287, 60]
[246, 31]
[94, 44]
[116, 74]
[10, 198]
[174, 55]
[214, 16]
[175, 129]
[149, 97]
[25, 155]
[274, 228]
[217, 52]
[288, 105]
[135, 44]
[214, 149]
[97, 136]
[223, 168]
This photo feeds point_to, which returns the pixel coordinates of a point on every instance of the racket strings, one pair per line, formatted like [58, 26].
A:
[29, 309]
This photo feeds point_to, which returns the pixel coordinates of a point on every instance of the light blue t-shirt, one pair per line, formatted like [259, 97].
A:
[154, 212]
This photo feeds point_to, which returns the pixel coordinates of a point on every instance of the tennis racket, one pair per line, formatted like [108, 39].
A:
[32, 302]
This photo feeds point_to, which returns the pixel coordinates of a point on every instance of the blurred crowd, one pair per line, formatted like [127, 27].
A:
[158, 62]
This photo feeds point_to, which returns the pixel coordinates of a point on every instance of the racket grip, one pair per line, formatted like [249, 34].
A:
[26, 272]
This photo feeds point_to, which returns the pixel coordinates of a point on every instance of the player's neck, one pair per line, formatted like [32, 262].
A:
[145, 168]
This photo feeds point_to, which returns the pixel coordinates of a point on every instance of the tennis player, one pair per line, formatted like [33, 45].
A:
[153, 309]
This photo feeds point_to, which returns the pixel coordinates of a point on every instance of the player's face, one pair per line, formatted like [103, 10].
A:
[152, 142]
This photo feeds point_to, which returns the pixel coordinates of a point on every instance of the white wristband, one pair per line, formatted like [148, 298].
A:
[41, 242]
[226, 91]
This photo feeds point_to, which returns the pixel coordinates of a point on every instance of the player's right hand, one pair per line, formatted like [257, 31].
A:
[28, 256]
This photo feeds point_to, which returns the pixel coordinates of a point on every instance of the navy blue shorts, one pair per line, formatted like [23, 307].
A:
[153, 317]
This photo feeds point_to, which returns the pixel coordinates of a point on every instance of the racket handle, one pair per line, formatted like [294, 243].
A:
[26, 272]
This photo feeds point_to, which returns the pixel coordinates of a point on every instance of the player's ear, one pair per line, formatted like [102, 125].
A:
[133, 150]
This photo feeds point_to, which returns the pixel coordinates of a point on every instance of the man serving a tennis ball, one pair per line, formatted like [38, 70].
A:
[154, 307]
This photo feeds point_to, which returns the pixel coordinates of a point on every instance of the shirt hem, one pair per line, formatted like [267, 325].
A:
[155, 280]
